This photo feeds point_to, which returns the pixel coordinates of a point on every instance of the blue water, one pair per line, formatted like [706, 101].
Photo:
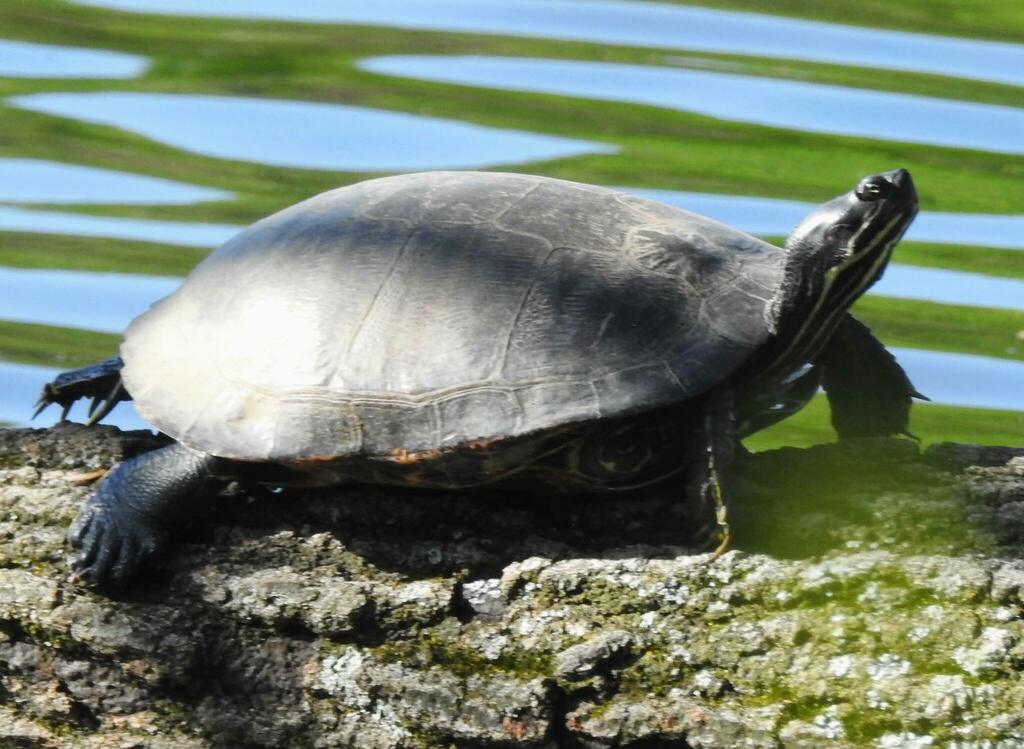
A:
[109, 301]
[772, 216]
[35, 181]
[965, 380]
[643, 24]
[761, 216]
[952, 379]
[30, 60]
[146, 230]
[949, 287]
[307, 134]
[811, 107]
[105, 302]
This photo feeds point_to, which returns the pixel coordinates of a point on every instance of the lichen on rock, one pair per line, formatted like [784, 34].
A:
[874, 596]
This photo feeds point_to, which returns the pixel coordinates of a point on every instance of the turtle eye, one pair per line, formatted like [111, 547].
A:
[873, 188]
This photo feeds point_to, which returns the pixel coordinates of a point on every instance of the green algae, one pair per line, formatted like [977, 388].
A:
[430, 649]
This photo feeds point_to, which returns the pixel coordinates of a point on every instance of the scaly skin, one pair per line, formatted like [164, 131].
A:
[137, 506]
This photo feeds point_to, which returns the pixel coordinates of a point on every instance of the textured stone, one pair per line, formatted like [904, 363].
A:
[585, 659]
[873, 598]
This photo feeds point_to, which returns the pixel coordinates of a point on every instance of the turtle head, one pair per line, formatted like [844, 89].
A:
[846, 243]
[833, 256]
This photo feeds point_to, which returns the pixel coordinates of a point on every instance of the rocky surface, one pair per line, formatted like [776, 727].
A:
[874, 597]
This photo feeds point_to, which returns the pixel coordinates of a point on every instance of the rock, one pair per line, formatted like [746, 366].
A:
[484, 597]
[873, 597]
[485, 708]
[600, 652]
[957, 455]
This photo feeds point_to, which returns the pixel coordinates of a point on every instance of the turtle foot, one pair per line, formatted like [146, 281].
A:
[112, 546]
[101, 382]
[134, 511]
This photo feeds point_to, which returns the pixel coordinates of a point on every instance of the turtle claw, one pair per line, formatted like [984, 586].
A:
[134, 511]
[80, 526]
[40, 406]
[116, 396]
[111, 549]
[51, 395]
[101, 382]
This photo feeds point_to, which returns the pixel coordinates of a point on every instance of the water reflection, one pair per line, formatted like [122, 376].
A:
[953, 379]
[35, 181]
[772, 216]
[108, 302]
[307, 134]
[105, 302]
[964, 379]
[762, 101]
[145, 230]
[637, 23]
[30, 60]
[763, 216]
[21, 385]
[950, 287]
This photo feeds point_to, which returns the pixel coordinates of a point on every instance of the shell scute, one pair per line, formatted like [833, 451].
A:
[598, 308]
[422, 311]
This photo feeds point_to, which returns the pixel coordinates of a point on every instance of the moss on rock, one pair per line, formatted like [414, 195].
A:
[875, 598]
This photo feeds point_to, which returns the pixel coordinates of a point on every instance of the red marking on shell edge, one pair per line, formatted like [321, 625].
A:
[315, 459]
[405, 457]
[481, 444]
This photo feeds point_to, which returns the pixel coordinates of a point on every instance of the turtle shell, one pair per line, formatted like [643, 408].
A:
[424, 311]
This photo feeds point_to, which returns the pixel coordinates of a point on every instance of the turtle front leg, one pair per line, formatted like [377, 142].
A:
[101, 382]
[713, 452]
[762, 410]
[869, 393]
[134, 511]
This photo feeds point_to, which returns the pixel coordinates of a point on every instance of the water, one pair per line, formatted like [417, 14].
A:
[35, 181]
[30, 60]
[109, 302]
[811, 107]
[307, 134]
[761, 216]
[22, 384]
[965, 380]
[953, 379]
[772, 216]
[105, 302]
[949, 287]
[637, 23]
[145, 230]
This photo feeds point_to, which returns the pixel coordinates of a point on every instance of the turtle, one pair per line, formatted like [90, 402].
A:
[463, 329]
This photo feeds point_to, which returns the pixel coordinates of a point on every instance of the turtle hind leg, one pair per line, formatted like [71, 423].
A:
[709, 467]
[101, 382]
[135, 510]
[868, 392]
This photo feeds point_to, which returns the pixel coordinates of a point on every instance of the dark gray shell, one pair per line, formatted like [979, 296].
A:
[427, 310]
